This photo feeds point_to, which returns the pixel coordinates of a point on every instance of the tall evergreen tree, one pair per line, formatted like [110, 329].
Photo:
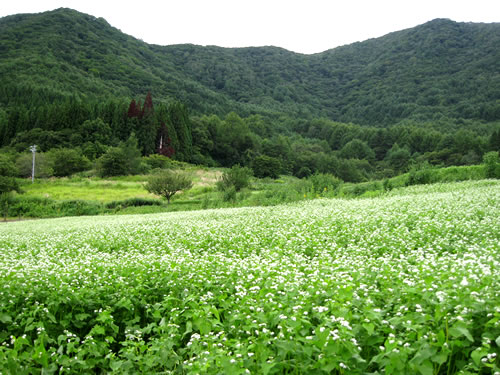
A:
[178, 116]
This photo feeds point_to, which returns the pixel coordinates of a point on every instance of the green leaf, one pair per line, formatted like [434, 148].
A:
[477, 354]
[459, 330]
[51, 317]
[440, 358]
[98, 330]
[426, 368]
[266, 367]
[498, 340]
[369, 328]
[4, 318]
[189, 328]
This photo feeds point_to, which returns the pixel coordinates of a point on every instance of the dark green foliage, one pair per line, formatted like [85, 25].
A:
[122, 160]
[426, 94]
[21, 206]
[7, 166]
[357, 149]
[266, 166]
[420, 175]
[133, 202]
[178, 117]
[113, 163]
[156, 161]
[167, 183]
[44, 139]
[237, 177]
[66, 162]
[96, 131]
[491, 162]
[398, 158]
[354, 170]
[411, 74]
[8, 184]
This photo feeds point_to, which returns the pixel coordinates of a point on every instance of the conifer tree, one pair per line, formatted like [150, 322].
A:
[179, 118]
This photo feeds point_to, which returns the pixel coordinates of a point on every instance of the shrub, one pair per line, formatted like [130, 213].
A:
[492, 164]
[112, 163]
[266, 166]
[229, 195]
[323, 182]
[66, 161]
[237, 177]
[133, 202]
[420, 175]
[156, 161]
[43, 165]
[122, 160]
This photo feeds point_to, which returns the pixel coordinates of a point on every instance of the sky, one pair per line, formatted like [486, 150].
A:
[307, 26]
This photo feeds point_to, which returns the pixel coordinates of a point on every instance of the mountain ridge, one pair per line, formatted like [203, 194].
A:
[440, 69]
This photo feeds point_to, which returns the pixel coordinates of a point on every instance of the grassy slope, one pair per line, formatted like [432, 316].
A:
[95, 192]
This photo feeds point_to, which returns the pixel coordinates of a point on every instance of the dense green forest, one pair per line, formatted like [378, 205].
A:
[439, 70]
[426, 95]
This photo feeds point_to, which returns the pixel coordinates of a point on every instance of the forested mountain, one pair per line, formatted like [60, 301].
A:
[441, 70]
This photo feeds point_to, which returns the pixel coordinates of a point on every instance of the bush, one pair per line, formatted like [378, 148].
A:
[237, 177]
[112, 163]
[322, 183]
[66, 161]
[44, 208]
[122, 160]
[420, 175]
[7, 172]
[156, 161]
[266, 166]
[229, 195]
[43, 165]
[133, 202]
[491, 162]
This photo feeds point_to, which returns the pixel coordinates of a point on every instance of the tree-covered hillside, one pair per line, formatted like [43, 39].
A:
[441, 70]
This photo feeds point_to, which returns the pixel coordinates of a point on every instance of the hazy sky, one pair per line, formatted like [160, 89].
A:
[307, 26]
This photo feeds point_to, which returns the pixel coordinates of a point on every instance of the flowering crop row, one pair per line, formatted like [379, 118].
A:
[400, 284]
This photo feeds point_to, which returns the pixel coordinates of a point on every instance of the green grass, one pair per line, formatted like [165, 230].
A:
[91, 189]
[54, 197]
[404, 283]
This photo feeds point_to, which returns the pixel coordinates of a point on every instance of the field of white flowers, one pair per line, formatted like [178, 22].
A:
[407, 283]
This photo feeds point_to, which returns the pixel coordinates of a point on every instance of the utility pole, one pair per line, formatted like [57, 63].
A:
[33, 150]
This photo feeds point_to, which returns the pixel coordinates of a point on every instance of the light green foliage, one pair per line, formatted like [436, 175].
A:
[156, 161]
[167, 183]
[237, 177]
[66, 161]
[403, 284]
[43, 165]
[491, 161]
[122, 160]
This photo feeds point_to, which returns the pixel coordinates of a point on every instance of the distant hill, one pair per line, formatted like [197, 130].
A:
[441, 69]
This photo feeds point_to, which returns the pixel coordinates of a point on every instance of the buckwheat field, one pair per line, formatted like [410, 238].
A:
[407, 283]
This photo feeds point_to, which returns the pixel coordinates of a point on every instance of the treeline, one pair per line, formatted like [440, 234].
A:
[107, 131]
[93, 127]
[353, 153]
